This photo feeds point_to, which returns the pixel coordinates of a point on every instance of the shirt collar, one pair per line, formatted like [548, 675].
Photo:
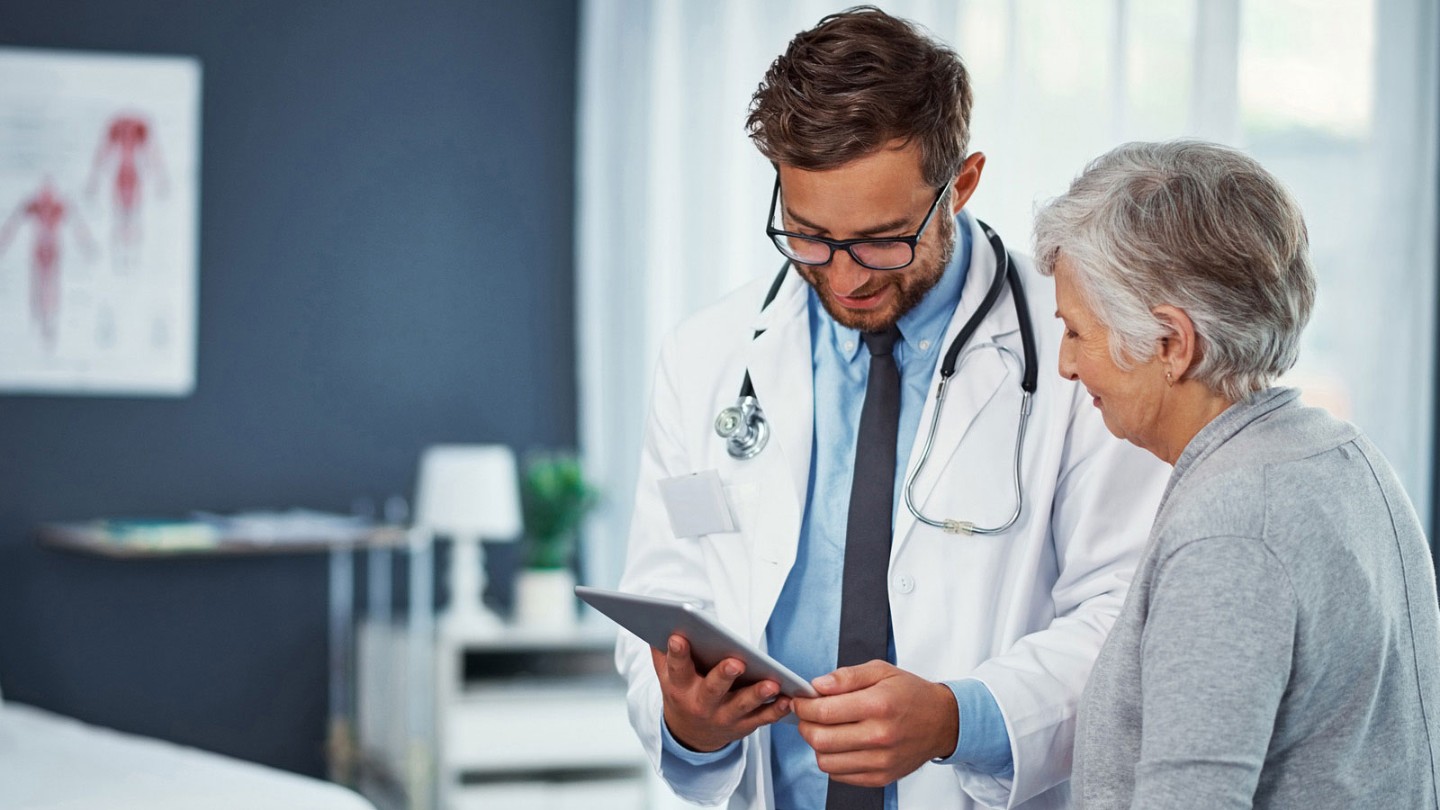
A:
[925, 324]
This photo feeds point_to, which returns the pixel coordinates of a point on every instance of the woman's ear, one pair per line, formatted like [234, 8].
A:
[1178, 350]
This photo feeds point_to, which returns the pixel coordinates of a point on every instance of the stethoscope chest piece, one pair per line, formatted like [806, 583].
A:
[744, 428]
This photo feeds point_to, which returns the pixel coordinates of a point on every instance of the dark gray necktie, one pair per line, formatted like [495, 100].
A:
[864, 597]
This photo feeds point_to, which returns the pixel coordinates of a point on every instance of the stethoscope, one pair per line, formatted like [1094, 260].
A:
[746, 431]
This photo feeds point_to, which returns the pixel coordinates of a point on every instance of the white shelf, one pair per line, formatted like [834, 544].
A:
[513, 638]
[549, 729]
[505, 736]
[548, 689]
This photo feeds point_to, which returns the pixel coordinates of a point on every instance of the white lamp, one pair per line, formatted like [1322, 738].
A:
[469, 492]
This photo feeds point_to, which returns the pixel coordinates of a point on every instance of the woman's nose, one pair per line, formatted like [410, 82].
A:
[1067, 362]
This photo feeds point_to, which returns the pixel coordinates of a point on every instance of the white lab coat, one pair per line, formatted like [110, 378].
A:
[1025, 612]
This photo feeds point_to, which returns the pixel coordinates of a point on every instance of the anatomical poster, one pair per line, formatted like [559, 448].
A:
[99, 201]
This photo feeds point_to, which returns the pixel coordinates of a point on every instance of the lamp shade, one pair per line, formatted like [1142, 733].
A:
[469, 490]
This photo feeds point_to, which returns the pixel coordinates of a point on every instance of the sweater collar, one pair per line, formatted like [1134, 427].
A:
[1223, 428]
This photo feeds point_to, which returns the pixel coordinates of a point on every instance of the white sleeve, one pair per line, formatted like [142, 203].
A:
[1106, 494]
[657, 563]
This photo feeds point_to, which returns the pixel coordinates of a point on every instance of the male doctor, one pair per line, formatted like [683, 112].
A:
[949, 665]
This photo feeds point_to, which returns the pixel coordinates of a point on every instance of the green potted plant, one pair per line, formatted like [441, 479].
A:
[555, 498]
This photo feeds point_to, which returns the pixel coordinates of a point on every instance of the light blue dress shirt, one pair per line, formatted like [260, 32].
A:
[804, 629]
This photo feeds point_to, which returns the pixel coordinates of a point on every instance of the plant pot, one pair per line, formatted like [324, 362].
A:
[545, 598]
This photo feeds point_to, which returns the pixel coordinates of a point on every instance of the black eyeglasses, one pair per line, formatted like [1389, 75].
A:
[876, 253]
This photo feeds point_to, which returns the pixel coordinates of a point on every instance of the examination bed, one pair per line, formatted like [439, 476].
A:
[53, 762]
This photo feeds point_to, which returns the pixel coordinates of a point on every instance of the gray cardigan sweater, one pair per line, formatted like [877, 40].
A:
[1280, 644]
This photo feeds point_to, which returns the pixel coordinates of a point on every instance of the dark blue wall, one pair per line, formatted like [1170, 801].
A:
[385, 263]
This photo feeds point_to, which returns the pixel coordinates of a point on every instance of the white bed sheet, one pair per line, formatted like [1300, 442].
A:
[52, 762]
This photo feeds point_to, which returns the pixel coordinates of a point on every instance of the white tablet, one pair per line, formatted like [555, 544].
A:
[654, 620]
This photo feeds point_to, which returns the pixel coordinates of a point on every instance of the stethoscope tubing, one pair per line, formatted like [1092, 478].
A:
[948, 525]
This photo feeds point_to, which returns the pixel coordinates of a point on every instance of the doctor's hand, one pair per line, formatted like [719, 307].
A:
[875, 723]
[705, 712]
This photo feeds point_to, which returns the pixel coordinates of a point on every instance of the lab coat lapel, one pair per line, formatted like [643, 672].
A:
[780, 370]
[779, 361]
[978, 375]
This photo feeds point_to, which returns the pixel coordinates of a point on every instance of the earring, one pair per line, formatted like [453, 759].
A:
[1169, 380]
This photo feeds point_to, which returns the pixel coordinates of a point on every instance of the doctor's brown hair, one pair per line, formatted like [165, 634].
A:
[853, 83]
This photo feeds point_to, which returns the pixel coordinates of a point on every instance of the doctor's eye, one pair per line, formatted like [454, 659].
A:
[802, 249]
[883, 255]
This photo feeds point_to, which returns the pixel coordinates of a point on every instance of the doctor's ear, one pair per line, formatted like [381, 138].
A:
[966, 181]
[1179, 348]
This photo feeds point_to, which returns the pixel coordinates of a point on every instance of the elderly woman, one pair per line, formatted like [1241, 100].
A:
[1280, 645]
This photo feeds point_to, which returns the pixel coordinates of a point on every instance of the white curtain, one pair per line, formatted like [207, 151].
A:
[1337, 97]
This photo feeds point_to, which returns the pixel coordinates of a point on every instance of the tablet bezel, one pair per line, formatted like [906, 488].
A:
[654, 619]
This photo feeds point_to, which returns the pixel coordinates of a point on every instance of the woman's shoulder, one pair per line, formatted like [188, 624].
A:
[1279, 473]
[1227, 488]
[1290, 433]
[1284, 435]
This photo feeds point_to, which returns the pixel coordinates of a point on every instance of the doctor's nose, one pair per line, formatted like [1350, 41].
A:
[846, 274]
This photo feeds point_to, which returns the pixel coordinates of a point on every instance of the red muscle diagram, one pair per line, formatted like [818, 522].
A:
[128, 144]
[99, 222]
[47, 212]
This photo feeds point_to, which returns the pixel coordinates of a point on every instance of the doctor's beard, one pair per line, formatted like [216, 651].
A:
[912, 284]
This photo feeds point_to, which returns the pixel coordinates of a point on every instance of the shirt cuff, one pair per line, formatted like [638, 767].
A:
[983, 743]
[673, 747]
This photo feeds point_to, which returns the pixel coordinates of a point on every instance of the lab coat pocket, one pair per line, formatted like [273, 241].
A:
[697, 505]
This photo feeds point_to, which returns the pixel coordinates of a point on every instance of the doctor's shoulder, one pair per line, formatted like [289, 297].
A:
[703, 359]
[721, 328]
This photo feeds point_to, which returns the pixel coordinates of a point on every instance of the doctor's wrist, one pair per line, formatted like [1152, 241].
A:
[693, 745]
[947, 733]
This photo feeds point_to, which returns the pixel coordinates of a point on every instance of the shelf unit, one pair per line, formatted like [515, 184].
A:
[518, 719]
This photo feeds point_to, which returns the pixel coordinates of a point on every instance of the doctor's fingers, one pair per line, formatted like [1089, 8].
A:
[763, 697]
[872, 768]
[857, 677]
[738, 712]
[719, 682]
[674, 665]
[850, 707]
[752, 707]
[849, 738]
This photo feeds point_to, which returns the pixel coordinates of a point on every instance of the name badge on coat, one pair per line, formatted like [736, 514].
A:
[696, 504]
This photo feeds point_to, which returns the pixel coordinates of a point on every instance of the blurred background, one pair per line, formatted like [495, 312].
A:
[467, 222]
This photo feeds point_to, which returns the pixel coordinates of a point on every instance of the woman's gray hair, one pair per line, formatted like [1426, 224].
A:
[1198, 226]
